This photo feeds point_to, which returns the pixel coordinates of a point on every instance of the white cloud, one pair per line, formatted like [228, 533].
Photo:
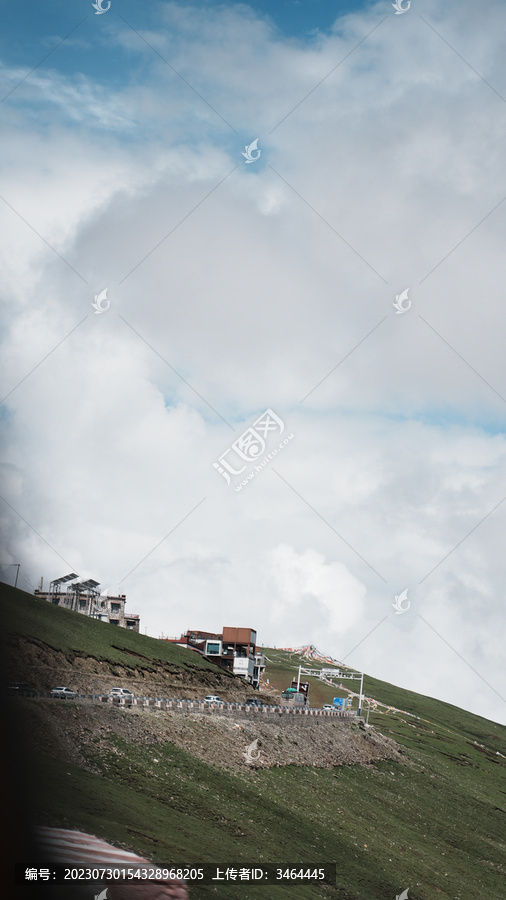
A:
[249, 299]
[310, 587]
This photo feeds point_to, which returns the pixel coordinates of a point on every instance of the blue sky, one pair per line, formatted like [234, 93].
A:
[30, 30]
[71, 41]
[234, 288]
[28, 25]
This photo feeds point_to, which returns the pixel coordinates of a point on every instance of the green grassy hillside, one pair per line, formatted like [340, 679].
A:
[432, 822]
[427, 715]
[76, 635]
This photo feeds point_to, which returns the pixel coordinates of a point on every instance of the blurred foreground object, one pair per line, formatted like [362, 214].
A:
[73, 848]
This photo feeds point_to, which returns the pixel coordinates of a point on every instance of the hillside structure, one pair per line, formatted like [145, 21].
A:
[84, 597]
[234, 649]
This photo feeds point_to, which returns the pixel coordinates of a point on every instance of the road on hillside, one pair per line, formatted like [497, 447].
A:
[201, 706]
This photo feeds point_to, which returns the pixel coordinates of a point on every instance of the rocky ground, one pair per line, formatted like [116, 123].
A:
[70, 729]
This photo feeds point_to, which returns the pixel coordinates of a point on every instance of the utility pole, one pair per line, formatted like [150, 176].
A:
[360, 699]
[5, 565]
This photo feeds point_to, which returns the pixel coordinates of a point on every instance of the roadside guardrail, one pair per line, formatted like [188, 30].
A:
[166, 703]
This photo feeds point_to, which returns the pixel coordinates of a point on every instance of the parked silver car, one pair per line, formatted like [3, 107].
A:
[63, 693]
[122, 694]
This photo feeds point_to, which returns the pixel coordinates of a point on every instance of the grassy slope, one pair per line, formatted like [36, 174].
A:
[77, 635]
[435, 826]
[283, 666]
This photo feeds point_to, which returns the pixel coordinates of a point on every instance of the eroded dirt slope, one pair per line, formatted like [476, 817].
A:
[70, 730]
[39, 665]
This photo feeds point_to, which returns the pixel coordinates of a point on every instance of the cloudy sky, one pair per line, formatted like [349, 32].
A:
[231, 282]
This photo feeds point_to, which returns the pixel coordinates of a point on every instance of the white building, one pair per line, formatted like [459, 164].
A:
[84, 597]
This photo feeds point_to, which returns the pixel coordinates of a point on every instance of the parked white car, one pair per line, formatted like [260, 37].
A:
[122, 693]
[213, 698]
[63, 693]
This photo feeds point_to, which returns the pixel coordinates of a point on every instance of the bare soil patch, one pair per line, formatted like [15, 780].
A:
[69, 730]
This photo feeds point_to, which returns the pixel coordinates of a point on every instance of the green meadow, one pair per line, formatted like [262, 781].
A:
[432, 823]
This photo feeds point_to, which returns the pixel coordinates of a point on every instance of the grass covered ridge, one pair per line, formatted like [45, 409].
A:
[73, 634]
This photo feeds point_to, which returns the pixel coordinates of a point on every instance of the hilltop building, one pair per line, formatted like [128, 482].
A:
[234, 649]
[84, 597]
